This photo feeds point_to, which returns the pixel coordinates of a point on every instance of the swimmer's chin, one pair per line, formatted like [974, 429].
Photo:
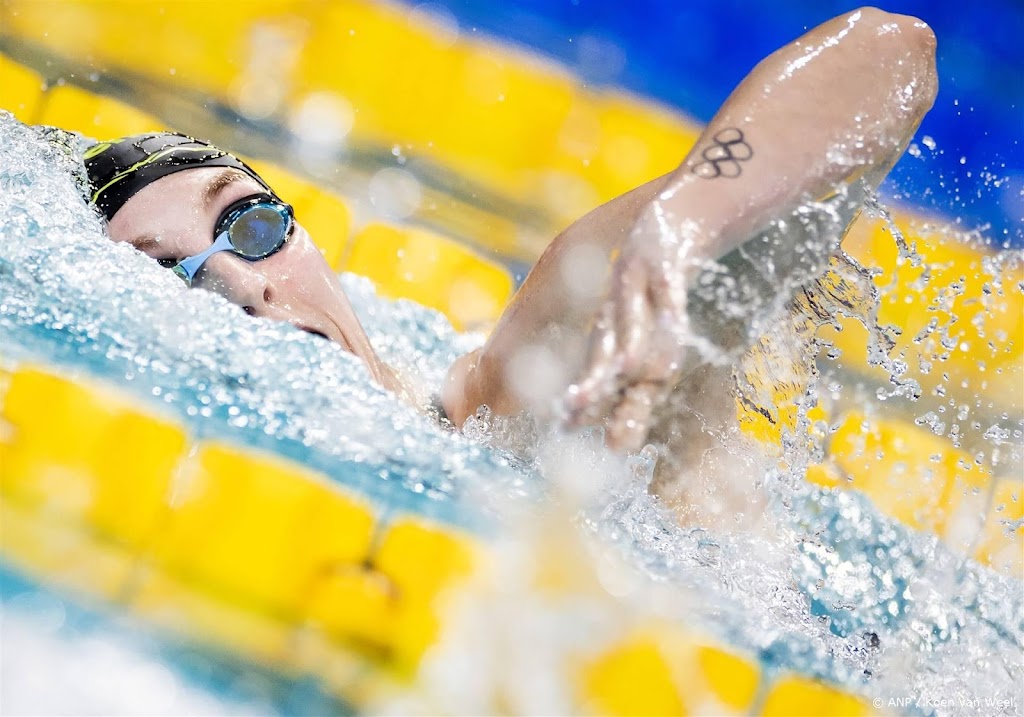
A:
[383, 375]
[321, 334]
[333, 334]
[338, 339]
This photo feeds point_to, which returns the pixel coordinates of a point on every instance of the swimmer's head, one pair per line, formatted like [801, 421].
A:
[120, 168]
[170, 196]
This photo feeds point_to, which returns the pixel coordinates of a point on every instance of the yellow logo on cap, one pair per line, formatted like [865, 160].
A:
[96, 149]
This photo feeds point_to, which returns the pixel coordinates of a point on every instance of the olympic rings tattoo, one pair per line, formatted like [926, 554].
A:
[722, 158]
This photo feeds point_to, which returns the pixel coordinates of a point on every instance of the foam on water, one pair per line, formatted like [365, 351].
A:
[823, 584]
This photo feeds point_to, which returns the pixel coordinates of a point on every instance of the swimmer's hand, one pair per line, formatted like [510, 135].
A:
[637, 346]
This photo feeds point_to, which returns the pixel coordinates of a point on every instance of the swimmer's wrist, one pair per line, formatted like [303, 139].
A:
[698, 219]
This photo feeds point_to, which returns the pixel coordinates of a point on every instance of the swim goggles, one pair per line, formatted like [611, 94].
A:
[253, 228]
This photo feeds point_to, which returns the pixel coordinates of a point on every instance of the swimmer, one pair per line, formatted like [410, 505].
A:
[826, 116]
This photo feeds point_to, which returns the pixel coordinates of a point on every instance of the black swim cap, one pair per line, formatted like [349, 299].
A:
[118, 169]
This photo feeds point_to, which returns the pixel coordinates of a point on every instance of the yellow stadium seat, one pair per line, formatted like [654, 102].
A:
[83, 453]
[260, 528]
[355, 604]
[329, 222]
[610, 143]
[633, 678]
[484, 110]
[908, 472]
[1002, 539]
[767, 423]
[359, 677]
[212, 618]
[205, 45]
[94, 115]
[421, 560]
[489, 112]
[416, 627]
[988, 333]
[21, 90]
[432, 270]
[663, 670]
[639, 141]
[501, 236]
[732, 679]
[825, 475]
[505, 115]
[57, 552]
[794, 696]
[394, 76]
[325, 216]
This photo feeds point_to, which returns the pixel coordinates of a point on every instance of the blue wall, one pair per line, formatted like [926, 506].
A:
[690, 54]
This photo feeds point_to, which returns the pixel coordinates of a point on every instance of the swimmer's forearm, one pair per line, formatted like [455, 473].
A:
[808, 125]
[838, 104]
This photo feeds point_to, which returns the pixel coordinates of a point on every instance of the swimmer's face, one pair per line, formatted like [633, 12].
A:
[174, 217]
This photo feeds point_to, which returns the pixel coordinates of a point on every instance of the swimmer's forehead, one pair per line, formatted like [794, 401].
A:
[207, 198]
[217, 185]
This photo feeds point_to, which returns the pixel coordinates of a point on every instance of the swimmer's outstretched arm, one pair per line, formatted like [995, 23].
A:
[837, 105]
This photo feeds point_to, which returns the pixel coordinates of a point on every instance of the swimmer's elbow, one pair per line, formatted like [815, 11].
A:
[903, 45]
[905, 32]
[922, 36]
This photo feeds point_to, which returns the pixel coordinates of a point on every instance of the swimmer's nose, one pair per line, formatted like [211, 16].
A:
[256, 296]
[240, 284]
[253, 292]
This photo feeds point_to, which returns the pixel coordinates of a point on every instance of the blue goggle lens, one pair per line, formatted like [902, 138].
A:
[259, 230]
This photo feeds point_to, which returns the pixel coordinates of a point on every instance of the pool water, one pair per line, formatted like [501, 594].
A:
[826, 586]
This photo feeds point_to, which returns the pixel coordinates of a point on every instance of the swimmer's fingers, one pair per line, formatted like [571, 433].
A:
[666, 321]
[619, 337]
[634, 318]
[586, 398]
[616, 390]
[653, 367]
[627, 427]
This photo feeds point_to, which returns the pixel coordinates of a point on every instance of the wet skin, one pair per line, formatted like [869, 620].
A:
[174, 218]
[834, 107]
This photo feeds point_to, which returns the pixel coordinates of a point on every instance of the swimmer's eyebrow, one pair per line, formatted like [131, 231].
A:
[218, 184]
[145, 242]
